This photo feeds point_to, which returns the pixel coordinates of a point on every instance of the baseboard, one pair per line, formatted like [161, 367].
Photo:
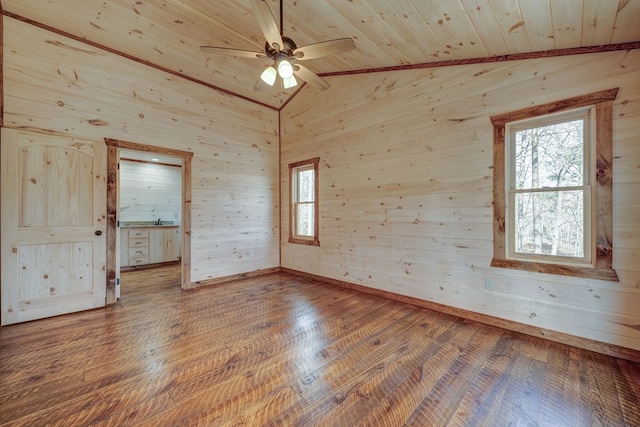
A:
[218, 280]
[584, 343]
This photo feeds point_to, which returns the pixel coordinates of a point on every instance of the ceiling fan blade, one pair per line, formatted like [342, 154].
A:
[310, 77]
[317, 50]
[232, 52]
[267, 23]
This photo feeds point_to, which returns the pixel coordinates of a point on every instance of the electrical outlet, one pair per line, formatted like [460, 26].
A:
[488, 284]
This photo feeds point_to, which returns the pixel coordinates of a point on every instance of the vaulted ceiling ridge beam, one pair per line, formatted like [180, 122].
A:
[501, 58]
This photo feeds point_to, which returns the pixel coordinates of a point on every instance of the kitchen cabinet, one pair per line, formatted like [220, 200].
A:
[135, 247]
[163, 244]
[148, 245]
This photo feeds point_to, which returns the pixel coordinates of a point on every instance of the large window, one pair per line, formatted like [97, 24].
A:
[303, 219]
[552, 188]
[549, 188]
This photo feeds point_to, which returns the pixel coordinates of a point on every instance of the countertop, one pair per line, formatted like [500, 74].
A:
[147, 224]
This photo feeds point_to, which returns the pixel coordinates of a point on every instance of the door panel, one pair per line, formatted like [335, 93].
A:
[53, 225]
[43, 205]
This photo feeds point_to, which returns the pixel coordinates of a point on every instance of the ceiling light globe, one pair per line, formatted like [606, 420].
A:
[269, 76]
[289, 82]
[285, 69]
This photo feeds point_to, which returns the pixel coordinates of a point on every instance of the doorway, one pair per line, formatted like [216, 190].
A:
[114, 148]
[149, 219]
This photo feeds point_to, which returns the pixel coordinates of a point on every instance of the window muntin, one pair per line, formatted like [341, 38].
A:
[304, 204]
[549, 188]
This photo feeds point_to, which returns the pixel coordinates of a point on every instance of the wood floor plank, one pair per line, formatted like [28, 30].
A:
[330, 385]
[284, 350]
[627, 386]
[305, 356]
[246, 348]
[114, 352]
[488, 388]
[522, 399]
[459, 377]
[325, 365]
[561, 389]
[457, 353]
[367, 398]
[599, 386]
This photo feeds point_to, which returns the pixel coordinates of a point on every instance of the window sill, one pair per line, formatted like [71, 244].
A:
[308, 242]
[608, 274]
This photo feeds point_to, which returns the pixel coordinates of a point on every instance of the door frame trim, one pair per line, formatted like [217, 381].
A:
[112, 208]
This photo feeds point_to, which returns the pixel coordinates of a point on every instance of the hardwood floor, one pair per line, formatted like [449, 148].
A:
[280, 350]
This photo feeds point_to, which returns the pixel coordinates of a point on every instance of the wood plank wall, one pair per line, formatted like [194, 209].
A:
[150, 191]
[406, 188]
[63, 87]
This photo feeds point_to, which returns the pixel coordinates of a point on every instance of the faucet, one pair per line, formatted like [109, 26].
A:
[159, 222]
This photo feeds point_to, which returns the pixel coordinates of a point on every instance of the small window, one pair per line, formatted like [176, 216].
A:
[552, 188]
[303, 219]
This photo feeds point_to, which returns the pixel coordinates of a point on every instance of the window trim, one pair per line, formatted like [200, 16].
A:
[293, 237]
[602, 218]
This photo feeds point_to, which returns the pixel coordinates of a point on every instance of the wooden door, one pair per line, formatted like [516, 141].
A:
[53, 225]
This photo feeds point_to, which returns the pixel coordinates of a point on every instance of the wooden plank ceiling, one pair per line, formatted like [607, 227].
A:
[387, 33]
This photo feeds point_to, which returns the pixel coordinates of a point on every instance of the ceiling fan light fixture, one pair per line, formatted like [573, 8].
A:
[269, 76]
[289, 82]
[285, 69]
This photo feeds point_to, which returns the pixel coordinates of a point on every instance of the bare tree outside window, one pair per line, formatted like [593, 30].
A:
[549, 183]
[305, 202]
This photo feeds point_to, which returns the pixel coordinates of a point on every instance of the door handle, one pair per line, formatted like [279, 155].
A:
[98, 233]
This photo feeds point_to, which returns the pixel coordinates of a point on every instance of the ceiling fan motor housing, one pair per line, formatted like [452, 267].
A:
[285, 51]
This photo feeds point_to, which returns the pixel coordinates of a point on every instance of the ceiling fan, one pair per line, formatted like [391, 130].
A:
[284, 52]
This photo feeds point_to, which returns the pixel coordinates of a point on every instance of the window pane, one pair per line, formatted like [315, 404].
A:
[305, 220]
[550, 223]
[306, 186]
[550, 156]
